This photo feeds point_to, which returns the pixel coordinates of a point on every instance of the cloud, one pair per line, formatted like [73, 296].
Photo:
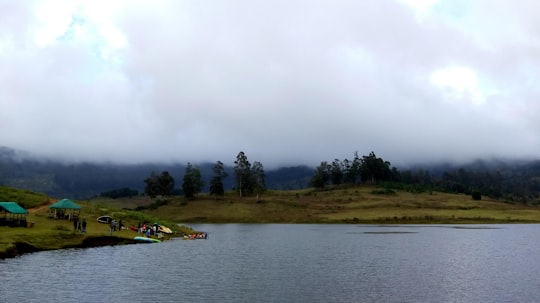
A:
[286, 82]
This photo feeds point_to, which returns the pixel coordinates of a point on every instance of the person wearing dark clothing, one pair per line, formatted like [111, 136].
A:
[75, 223]
[84, 226]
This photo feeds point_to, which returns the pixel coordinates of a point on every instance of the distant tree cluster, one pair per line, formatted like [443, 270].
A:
[366, 169]
[250, 179]
[159, 185]
[511, 183]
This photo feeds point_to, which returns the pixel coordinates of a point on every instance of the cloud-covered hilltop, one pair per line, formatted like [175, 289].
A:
[286, 82]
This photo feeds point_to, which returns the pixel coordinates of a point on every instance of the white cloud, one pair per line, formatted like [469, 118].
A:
[287, 82]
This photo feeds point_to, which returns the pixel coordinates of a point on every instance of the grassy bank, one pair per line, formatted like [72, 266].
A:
[365, 204]
[47, 233]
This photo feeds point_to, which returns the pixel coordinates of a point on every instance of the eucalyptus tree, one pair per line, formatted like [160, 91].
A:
[159, 185]
[192, 182]
[374, 169]
[216, 183]
[257, 173]
[321, 176]
[336, 172]
[242, 172]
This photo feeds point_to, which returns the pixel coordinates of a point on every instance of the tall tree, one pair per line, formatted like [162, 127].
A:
[321, 176]
[151, 188]
[336, 172]
[159, 185]
[166, 183]
[356, 167]
[375, 169]
[242, 171]
[216, 183]
[192, 182]
[257, 172]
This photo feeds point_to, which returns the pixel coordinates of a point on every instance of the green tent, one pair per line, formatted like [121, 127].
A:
[65, 209]
[14, 214]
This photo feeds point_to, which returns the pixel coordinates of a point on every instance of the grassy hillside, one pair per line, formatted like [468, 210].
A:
[354, 205]
[47, 233]
[25, 198]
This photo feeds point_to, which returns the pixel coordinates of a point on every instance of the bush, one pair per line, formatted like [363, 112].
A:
[476, 196]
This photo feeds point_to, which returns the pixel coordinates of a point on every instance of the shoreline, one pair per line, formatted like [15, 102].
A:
[21, 248]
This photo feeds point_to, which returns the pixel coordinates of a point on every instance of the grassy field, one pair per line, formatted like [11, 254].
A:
[48, 233]
[365, 204]
[362, 205]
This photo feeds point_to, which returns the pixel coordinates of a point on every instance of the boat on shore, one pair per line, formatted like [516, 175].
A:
[105, 219]
[146, 240]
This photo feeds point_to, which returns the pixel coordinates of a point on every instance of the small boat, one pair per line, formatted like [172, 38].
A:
[164, 229]
[134, 228]
[146, 240]
[104, 219]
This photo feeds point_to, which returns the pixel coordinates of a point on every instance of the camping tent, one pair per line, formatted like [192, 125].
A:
[65, 209]
[14, 214]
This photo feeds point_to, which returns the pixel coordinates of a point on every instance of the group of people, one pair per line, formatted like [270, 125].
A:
[79, 226]
[148, 230]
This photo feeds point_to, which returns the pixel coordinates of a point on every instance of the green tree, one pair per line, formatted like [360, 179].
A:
[257, 173]
[151, 188]
[374, 169]
[336, 172]
[321, 176]
[242, 172]
[192, 182]
[216, 183]
[166, 183]
[354, 174]
[159, 185]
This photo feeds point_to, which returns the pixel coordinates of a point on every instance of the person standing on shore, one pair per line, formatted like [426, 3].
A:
[83, 226]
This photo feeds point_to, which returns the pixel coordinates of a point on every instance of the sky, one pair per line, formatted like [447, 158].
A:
[286, 82]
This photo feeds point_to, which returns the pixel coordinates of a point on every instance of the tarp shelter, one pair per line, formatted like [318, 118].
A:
[65, 209]
[13, 214]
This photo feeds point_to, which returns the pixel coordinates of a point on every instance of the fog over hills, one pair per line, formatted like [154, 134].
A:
[287, 82]
[85, 179]
[81, 180]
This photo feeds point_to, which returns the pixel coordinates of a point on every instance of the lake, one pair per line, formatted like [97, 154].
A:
[292, 263]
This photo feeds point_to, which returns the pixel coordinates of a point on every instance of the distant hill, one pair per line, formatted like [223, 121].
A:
[85, 180]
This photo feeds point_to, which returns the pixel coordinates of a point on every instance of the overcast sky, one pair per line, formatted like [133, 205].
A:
[287, 82]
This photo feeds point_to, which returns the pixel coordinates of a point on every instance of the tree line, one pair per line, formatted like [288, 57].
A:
[505, 180]
[366, 169]
[249, 180]
[513, 183]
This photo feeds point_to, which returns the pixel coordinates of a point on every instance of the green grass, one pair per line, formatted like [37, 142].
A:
[25, 198]
[48, 233]
[364, 204]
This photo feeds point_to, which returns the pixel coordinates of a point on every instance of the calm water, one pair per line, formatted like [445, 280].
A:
[292, 263]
